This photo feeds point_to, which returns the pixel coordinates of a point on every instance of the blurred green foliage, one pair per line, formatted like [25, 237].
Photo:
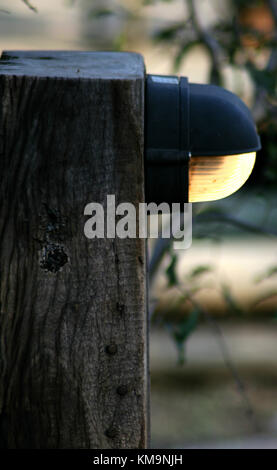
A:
[245, 38]
[239, 40]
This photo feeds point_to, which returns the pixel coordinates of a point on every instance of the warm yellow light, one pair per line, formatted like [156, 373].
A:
[212, 178]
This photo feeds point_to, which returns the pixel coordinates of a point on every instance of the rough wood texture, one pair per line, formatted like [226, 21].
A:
[73, 370]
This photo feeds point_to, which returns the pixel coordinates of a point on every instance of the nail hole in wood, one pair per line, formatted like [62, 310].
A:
[111, 433]
[111, 349]
[122, 390]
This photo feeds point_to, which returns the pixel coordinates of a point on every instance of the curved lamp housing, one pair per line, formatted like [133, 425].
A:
[201, 141]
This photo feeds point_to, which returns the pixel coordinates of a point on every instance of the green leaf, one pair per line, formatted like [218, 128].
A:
[101, 13]
[272, 271]
[171, 272]
[230, 301]
[182, 331]
[169, 33]
[199, 270]
[186, 327]
[30, 6]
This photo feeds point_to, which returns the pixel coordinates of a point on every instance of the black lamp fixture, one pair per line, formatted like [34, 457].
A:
[201, 141]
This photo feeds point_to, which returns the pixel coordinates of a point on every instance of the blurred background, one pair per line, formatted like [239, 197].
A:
[213, 343]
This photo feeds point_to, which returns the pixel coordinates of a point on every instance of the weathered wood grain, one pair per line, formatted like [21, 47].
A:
[73, 367]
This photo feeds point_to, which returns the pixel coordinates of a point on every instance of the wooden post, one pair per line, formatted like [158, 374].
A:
[73, 352]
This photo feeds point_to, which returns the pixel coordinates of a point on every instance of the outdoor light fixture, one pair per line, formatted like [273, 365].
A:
[201, 141]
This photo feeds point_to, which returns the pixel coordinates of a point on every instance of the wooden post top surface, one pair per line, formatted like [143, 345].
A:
[73, 64]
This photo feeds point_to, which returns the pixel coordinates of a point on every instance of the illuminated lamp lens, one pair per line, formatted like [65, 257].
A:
[212, 178]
